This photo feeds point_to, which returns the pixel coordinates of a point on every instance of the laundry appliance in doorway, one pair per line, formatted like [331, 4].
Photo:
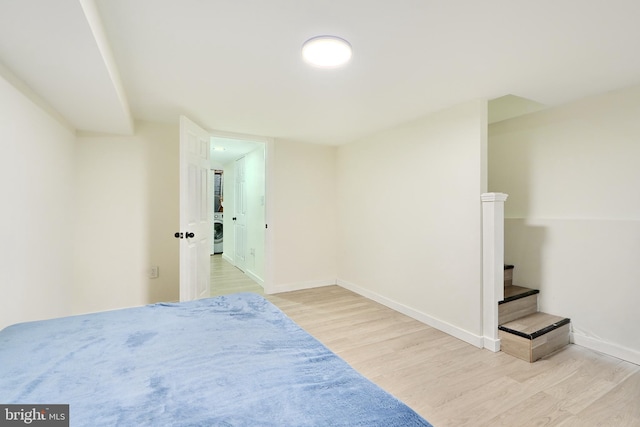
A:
[217, 232]
[216, 229]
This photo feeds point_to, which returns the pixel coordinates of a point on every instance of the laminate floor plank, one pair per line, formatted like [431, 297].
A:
[227, 279]
[619, 406]
[537, 410]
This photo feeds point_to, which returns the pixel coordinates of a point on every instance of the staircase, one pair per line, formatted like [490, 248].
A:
[525, 332]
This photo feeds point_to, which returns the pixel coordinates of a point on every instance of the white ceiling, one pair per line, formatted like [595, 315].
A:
[226, 150]
[235, 66]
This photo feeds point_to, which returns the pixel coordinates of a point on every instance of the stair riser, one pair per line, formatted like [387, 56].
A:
[513, 310]
[532, 350]
[508, 277]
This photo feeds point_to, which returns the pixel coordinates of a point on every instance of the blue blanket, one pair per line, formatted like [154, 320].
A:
[235, 360]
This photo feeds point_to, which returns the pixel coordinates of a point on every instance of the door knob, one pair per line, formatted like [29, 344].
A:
[190, 234]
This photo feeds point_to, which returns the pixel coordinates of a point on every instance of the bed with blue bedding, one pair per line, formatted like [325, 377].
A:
[233, 360]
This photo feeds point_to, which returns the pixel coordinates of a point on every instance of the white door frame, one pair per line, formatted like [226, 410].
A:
[269, 258]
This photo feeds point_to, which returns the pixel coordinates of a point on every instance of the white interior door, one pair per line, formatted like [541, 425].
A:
[195, 198]
[240, 215]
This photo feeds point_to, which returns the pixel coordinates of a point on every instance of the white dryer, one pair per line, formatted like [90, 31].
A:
[217, 232]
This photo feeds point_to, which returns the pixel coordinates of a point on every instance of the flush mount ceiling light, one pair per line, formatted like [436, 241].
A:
[326, 51]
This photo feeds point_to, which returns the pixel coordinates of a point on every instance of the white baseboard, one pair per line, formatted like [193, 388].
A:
[255, 278]
[228, 259]
[607, 348]
[475, 340]
[491, 344]
[288, 287]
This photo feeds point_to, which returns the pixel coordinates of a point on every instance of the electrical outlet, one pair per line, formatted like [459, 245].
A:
[154, 272]
[252, 251]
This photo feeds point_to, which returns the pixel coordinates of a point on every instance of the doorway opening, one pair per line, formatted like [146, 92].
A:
[238, 173]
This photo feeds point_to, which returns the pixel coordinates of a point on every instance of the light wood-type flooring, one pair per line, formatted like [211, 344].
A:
[227, 279]
[452, 383]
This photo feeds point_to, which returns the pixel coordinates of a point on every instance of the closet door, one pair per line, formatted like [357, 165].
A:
[240, 215]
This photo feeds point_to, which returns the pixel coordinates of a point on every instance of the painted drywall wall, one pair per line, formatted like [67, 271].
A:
[162, 148]
[572, 220]
[127, 212]
[409, 218]
[36, 218]
[303, 207]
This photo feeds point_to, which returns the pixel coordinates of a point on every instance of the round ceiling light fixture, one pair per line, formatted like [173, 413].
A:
[326, 51]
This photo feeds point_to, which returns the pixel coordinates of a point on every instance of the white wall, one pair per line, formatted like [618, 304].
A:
[572, 225]
[36, 218]
[92, 213]
[409, 209]
[304, 207]
[126, 216]
[162, 143]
